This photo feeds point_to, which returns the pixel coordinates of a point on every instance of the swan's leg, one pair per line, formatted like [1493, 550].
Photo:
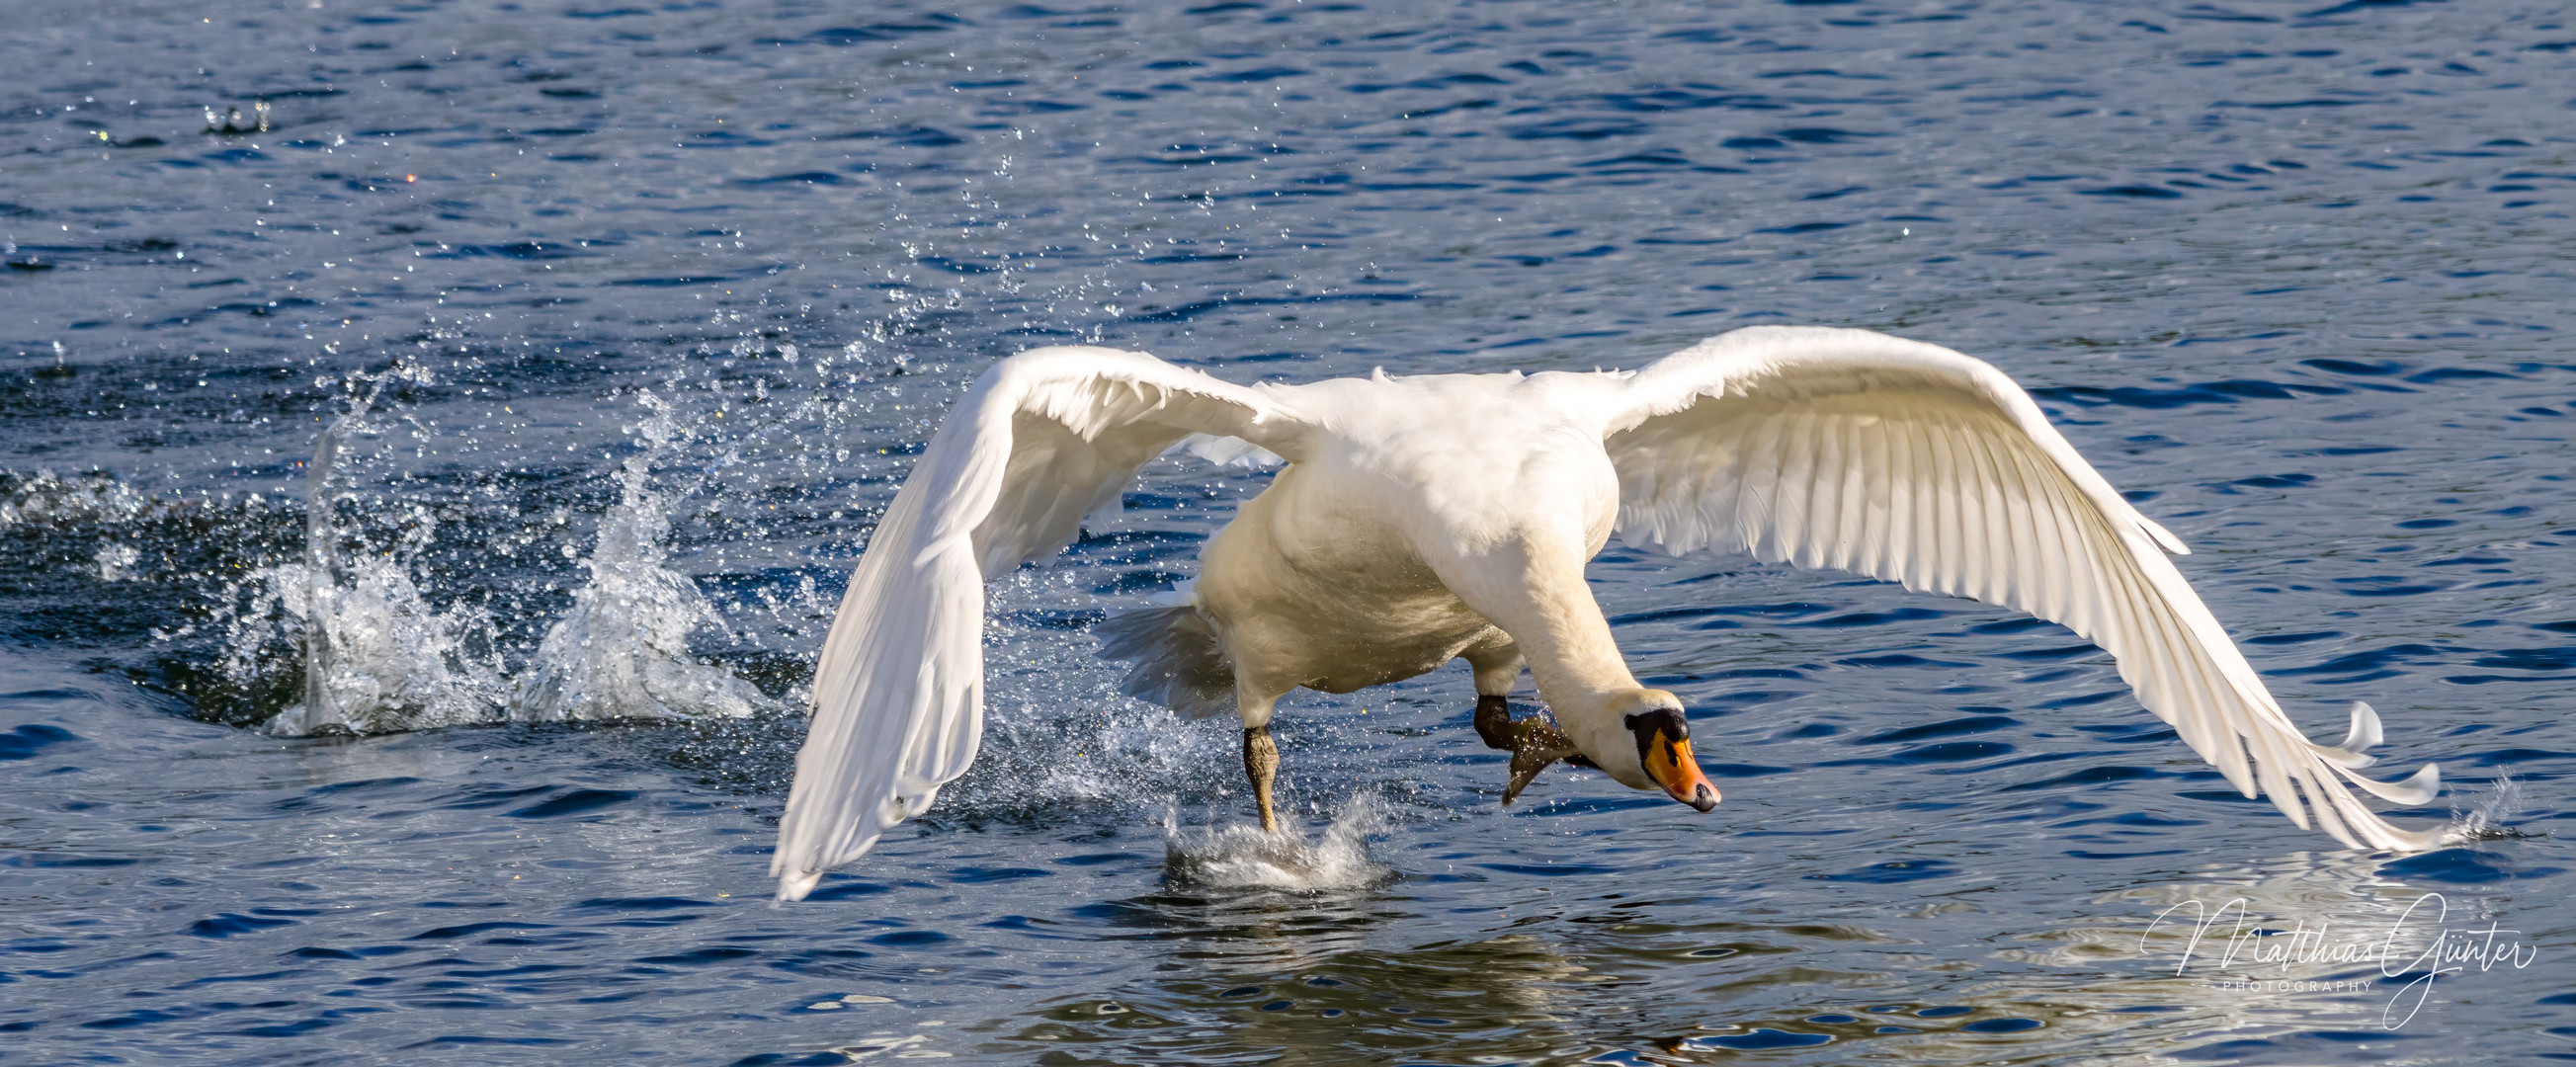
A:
[1494, 721]
[1497, 664]
[1533, 742]
[1261, 761]
[1260, 753]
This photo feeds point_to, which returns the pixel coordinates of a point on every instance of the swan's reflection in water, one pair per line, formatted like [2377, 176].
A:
[1278, 978]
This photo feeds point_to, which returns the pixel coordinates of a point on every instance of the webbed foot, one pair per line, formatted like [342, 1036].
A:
[1533, 742]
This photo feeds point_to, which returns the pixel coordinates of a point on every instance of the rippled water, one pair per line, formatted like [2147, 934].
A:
[623, 318]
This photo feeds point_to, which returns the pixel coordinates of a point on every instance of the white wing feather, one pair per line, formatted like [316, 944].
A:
[1912, 463]
[1040, 441]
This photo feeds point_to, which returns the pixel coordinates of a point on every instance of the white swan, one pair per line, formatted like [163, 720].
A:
[1423, 519]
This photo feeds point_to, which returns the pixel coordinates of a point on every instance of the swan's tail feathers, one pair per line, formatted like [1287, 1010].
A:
[1174, 657]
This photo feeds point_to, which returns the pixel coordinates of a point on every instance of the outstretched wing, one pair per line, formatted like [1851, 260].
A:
[1041, 440]
[1912, 463]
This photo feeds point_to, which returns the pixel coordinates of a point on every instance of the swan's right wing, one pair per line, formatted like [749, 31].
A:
[1041, 440]
[1912, 463]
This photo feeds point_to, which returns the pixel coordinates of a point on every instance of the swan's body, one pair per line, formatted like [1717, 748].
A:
[1425, 519]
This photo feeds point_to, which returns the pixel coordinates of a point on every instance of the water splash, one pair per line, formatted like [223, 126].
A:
[51, 501]
[1087, 747]
[116, 561]
[2484, 821]
[378, 657]
[1244, 857]
[623, 650]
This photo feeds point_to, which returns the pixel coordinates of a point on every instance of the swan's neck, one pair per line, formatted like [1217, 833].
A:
[1540, 598]
[1577, 667]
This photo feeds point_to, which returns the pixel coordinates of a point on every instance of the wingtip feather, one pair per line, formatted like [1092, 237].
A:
[2163, 538]
[2364, 735]
[793, 885]
[2416, 789]
[2357, 742]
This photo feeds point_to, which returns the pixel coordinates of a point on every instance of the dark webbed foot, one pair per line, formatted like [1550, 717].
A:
[1532, 742]
[1494, 721]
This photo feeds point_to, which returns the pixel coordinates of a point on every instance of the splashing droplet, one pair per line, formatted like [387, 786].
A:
[1244, 857]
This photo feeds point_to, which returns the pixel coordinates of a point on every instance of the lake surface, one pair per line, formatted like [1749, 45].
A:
[621, 319]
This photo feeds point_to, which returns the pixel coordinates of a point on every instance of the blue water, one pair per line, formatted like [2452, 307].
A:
[2293, 275]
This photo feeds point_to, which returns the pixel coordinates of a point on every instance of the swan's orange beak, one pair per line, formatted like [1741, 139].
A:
[1670, 764]
[1663, 747]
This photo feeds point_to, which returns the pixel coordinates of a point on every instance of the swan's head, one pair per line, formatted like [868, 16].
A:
[1652, 750]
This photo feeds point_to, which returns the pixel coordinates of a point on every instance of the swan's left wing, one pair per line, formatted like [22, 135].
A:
[1041, 440]
[1912, 463]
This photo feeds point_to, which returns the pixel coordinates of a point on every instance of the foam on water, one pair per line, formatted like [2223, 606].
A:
[1244, 857]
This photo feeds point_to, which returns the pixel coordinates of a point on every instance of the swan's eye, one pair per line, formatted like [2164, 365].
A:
[1667, 721]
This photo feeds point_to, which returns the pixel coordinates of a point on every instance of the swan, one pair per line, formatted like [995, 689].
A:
[1421, 519]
